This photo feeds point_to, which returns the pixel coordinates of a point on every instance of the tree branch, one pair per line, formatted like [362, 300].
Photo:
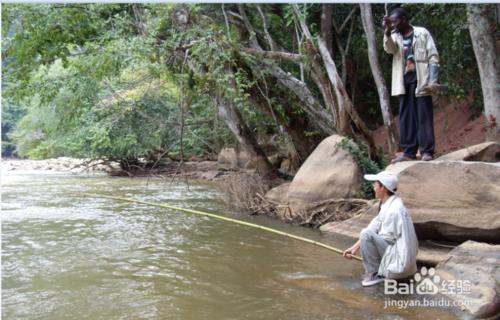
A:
[249, 27]
[225, 19]
[189, 45]
[349, 38]
[266, 32]
[234, 14]
[293, 57]
[347, 19]
[343, 99]
[319, 117]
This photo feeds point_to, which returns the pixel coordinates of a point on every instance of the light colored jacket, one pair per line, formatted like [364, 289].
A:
[395, 225]
[426, 61]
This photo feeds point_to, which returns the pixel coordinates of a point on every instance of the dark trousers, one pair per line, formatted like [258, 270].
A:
[416, 123]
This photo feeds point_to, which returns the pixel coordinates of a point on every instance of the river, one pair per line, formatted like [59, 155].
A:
[67, 256]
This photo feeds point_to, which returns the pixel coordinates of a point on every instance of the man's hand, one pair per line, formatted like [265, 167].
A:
[348, 253]
[387, 24]
[434, 87]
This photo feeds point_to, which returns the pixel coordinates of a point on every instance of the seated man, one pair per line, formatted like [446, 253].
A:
[389, 244]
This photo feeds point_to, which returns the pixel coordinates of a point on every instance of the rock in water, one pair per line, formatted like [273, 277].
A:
[471, 274]
[452, 200]
[329, 172]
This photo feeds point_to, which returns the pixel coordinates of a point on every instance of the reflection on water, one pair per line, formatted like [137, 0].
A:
[65, 256]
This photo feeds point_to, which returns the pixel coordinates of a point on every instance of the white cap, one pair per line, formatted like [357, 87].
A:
[386, 178]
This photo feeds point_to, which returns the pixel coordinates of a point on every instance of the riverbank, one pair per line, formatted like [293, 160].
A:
[61, 164]
[199, 170]
[244, 188]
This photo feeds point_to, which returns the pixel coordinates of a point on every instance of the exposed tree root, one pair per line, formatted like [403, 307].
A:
[245, 191]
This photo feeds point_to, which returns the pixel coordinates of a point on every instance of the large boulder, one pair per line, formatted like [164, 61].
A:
[484, 152]
[329, 172]
[452, 200]
[234, 158]
[471, 276]
[279, 194]
[228, 156]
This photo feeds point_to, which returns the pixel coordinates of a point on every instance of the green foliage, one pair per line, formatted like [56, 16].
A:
[109, 80]
[449, 28]
[11, 114]
[124, 118]
[105, 93]
[359, 151]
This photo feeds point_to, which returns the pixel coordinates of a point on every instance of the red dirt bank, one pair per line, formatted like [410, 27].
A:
[454, 127]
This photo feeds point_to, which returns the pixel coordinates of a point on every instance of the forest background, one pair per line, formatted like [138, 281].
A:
[130, 82]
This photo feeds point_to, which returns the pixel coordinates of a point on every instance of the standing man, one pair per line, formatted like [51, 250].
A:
[388, 244]
[414, 77]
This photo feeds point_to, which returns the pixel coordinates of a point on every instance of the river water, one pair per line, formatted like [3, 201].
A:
[67, 256]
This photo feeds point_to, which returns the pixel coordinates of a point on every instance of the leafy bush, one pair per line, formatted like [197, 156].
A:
[359, 150]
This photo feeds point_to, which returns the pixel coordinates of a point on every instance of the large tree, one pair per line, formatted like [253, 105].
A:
[383, 94]
[482, 32]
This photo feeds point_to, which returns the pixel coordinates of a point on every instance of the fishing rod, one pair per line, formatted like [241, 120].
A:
[216, 216]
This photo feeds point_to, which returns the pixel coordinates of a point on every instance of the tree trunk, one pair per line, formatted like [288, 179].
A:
[233, 119]
[343, 122]
[481, 32]
[326, 26]
[383, 94]
[295, 126]
[342, 125]
[320, 119]
[318, 116]
[343, 100]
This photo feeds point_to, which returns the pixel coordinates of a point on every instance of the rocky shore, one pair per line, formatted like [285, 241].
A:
[62, 164]
[454, 201]
[204, 170]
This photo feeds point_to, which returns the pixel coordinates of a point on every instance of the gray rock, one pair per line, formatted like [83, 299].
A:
[484, 152]
[235, 158]
[477, 264]
[278, 194]
[329, 172]
[352, 227]
[228, 156]
[210, 175]
[452, 200]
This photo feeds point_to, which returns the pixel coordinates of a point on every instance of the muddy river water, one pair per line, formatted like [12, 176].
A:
[66, 256]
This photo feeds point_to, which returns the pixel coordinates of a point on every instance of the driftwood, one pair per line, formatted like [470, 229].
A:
[246, 191]
[319, 213]
[331, 210]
